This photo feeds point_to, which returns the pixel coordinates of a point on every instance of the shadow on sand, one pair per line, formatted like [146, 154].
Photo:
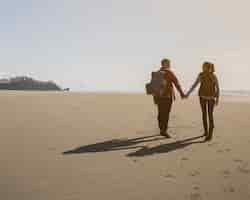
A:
[114, 145]
[135, 143]
[165, 148]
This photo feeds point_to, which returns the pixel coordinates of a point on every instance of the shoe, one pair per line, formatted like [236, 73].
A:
[208, 138]
[205, 134]
[165, 134]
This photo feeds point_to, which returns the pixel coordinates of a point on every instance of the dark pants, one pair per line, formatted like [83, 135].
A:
[164, 107]
[207, 107]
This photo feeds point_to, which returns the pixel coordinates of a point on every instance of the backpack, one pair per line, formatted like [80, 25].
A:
[157, 85]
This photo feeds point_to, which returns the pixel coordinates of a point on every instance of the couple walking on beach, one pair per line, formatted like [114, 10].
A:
[209, 93]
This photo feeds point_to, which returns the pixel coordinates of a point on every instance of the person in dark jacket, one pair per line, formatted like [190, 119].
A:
[209, 93]
[164, 102]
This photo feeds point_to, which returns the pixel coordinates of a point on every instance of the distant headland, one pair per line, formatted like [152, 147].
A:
[28, 83]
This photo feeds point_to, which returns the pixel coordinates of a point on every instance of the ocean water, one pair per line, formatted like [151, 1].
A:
[236, 93]
[232, 93]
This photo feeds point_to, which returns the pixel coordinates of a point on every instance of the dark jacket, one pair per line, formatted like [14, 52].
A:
[209, 85]
[171, 81]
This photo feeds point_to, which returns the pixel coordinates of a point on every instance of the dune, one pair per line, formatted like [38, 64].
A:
[67, 146]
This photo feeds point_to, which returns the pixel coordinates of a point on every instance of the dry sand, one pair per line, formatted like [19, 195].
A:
[105, 146]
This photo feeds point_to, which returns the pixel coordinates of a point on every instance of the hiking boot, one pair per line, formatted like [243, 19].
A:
[205, 134]
[209, 137]
[165, 134]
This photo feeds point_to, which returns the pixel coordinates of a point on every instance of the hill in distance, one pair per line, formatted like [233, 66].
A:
[27, 83]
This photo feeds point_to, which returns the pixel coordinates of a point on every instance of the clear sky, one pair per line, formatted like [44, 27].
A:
[113, 45]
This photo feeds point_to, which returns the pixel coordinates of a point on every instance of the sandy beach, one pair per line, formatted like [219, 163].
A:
[75, 146]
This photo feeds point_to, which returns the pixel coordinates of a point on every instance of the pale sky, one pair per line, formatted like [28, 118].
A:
[113, 45]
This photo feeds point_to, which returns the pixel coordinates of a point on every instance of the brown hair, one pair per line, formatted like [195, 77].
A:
[206, 66]
[165, 61]
[212, 69]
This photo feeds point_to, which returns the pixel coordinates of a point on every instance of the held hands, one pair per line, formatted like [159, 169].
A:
[184, 96]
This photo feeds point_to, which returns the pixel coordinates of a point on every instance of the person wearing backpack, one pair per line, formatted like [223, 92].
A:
[209, 93]
[165, 98]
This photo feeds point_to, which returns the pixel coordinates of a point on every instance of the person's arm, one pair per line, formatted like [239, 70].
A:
[155, 100]
[177, 85]
[217, 87]
[197, 81]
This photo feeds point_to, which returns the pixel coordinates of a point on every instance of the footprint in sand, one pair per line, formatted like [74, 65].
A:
[226, 173]
[195, 196]
[184, 159]
[196, 188]
[212, 144]
[194, 173]
[244, 168]
[230, 189]
[238, 160]
[223, 150]
[170, 176]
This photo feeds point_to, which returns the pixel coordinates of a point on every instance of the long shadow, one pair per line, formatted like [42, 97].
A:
[165, 148]
[114, 145]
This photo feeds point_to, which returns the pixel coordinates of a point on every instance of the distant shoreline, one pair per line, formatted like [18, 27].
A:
[225, 97]
[228, 93]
